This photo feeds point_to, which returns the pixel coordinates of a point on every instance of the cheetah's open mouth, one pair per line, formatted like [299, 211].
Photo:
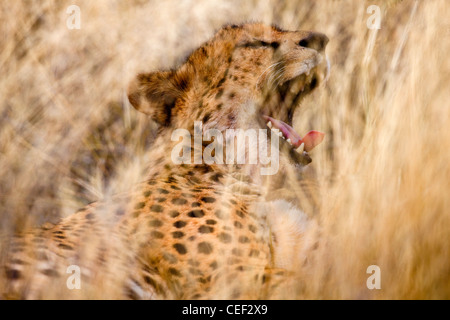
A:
[285, 131]
[290, 93]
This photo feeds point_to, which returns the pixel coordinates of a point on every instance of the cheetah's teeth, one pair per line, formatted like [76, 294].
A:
[277, 132]
[301, 148]
[297, 87]
[289, 141]
[269, 124]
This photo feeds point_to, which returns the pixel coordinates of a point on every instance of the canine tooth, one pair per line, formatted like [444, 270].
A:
[276, 131]
[269, 124]
[289, 141]
[301, 148]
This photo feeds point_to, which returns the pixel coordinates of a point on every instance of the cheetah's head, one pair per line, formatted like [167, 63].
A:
[248, 76]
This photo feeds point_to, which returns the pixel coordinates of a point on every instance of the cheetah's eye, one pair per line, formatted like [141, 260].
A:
[261, 44]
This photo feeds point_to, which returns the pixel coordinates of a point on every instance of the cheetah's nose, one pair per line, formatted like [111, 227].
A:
[314, 40]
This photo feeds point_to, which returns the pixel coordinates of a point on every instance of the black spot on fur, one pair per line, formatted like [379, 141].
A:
[151, 282]
[205, 229]
[196, 214]
[193, 263]
[224, 237]
[206, 117]
[219, 94]
[162, 191]
[240, 213]
[195, 271]
[155, 223]
[156, 208]
[177, 235]
[202, 280]
[208, 199]
[140, 205]
[147, 193]
[221, 81]
[205, 248]
[171, 179]
[174, 272]
[238, 225]
[180, 224]
[170, 258]
[264, 279]
[213, 265]
[216, 177]
[174, 214]
[180, 248]
[244, 239]
[236, 251]
[179, 201]
[157, 235]
[253, 253]
[136, 214]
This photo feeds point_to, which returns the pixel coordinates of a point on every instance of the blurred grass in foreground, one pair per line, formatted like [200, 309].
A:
[68, 136]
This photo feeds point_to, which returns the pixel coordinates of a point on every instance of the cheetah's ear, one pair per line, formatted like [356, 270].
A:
[155, 94]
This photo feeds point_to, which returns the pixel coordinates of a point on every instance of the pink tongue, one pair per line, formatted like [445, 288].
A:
[311, 139]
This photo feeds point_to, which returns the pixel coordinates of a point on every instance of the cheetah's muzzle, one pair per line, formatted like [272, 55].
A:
[290, 94]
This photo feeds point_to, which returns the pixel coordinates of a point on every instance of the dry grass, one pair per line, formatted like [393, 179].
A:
[68, 136]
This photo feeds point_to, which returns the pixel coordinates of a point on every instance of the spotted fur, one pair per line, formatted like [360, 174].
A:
[188, 231]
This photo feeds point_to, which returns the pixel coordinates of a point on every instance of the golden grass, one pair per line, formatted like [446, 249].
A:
[68, 135]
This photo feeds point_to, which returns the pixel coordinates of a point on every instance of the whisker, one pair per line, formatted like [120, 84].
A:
[277, 75]
[266, 70]
[279, 80]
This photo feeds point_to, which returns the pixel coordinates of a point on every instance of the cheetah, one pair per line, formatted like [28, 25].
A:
[193, 231]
